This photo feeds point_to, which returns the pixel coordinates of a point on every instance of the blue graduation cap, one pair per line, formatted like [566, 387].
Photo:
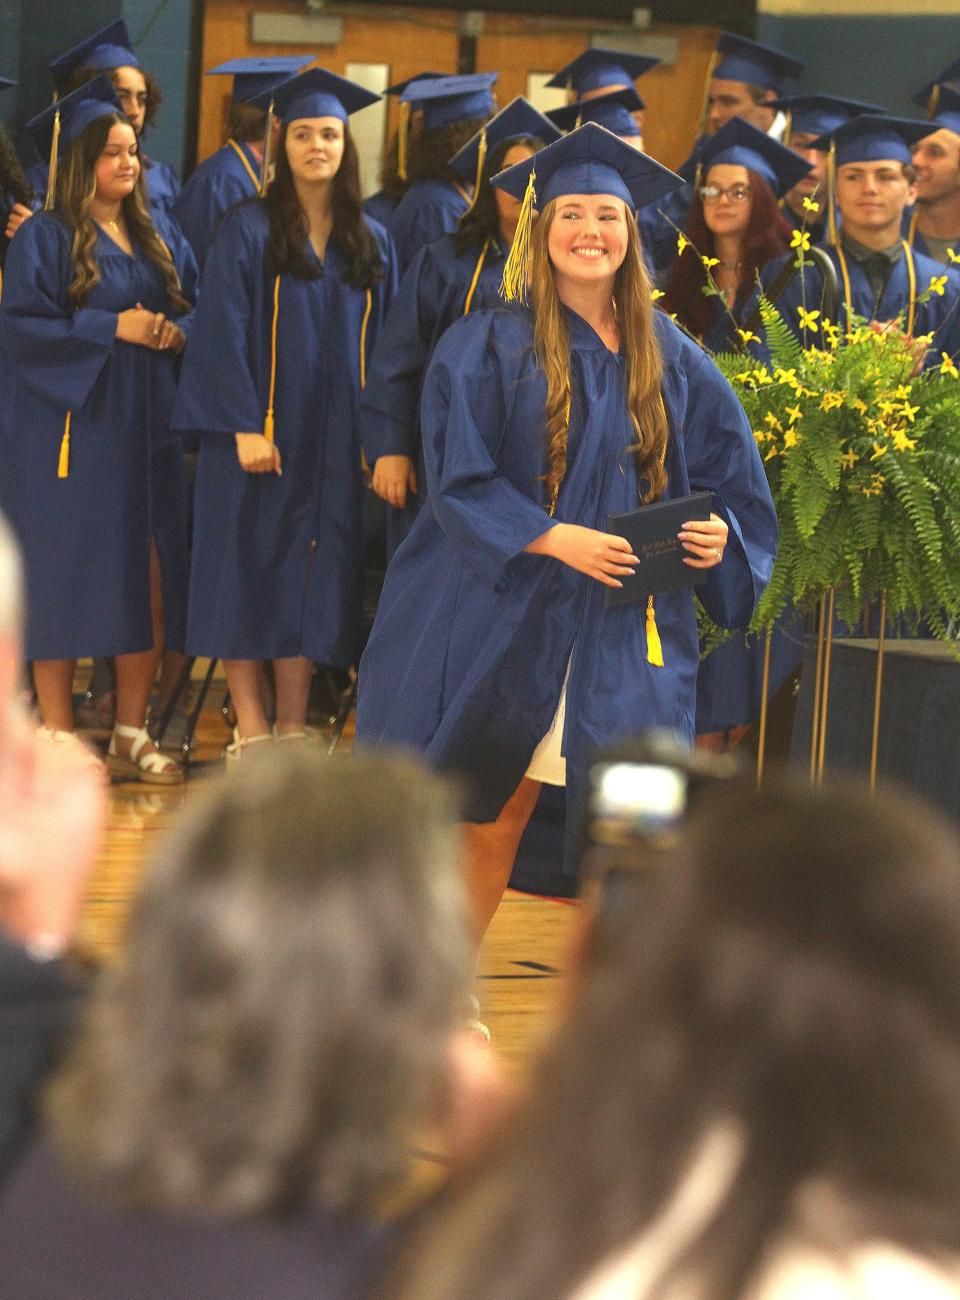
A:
[928, 96]
[741, 144]
[399, 87]
[614, 111]
[518, 119]
[107, 48]
[875, 139]
[756, 64]
[590, 160]
[66, 119]
[597, 68]
[820, 114]
[253, 76]
[317, 93]
[948, 111]
[451, 99]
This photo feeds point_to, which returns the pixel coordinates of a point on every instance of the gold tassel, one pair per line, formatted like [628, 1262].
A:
[403, 128]
[698, 177]
[713, 61]
[933, 103]
[912, 230]
[513, 287]
[832, 194]
[63, 465]
[787, 128]
[51, 195]
[268, 424]
[654, 644]
[481, 162]
[265, 167]
[579, 122]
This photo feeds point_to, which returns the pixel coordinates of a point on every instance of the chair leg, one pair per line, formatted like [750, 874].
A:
[194, 717]
[170, 708]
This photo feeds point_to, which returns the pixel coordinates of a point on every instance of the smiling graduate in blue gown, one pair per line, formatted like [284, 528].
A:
[277, 551]
[478, 622]
[458, 274]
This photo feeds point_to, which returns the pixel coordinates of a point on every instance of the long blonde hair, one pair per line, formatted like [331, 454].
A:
[644, 370]
[76, 190]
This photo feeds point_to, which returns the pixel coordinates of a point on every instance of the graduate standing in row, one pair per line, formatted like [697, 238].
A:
[235, 171]
[454, 109]
[934, 227]
[493, 650]
[295, 289]
[395, 168]
[93, 315]
[448, 279]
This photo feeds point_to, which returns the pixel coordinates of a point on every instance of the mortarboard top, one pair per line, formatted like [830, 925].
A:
[253, 76]
[590, 160]
[317, 93]
[399, 87]
[875, 139]
[821, 114]
[107, 48]
[451, 99]
[597, 68]
[743, 145]
[614, 111]
[756, 64]
[95, 98]
[949, 75]
[948, 111]
[519, 118]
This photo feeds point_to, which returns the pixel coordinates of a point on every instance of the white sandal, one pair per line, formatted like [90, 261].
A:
[235, 753]
[145, 762]
[303, 734]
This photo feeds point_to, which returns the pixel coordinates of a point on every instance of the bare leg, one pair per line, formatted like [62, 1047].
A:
[292, 677]
[719, 742]
[53, 679]
[245, 682]
[491, 850]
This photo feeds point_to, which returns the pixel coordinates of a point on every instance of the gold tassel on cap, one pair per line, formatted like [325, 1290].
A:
[403, 130]
[513, 287]
[832, 194]
[63, 464]
[933, 103]
[705, 105]
[654, 644]
[481, 162]
[788, 128]
[51, 195]
[265, 167]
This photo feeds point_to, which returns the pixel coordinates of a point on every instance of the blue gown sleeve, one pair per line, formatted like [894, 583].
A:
[203, 201]
[389, 409]
[218, 390]
[417, 224]
[185, 263]
[58, 352]
[721, 457]
[468, 393]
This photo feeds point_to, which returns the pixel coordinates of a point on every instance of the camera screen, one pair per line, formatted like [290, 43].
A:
[630, 801]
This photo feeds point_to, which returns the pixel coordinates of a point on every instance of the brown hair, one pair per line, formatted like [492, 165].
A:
[246, 123]
[281, 1023]
[482, 222]
[76, 190]
[80, 76]
[634, 309]
[434, 149]
[355, 241]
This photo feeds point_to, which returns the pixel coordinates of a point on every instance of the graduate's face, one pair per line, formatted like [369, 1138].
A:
[587, 240]
[508, 208]
[116, 170]
[728, 99]
[131, 88]
[315, 148]
[800, 143]
[728, 214]
[936, 160]
[871, 196]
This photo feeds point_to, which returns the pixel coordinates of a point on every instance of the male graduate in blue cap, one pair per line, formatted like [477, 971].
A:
[934, 227]
[234, 172]
[394, 173]
[617, 110]
[880, 276]
[454, 109]
[599, 72]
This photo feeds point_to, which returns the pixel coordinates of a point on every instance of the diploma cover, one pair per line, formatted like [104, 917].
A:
[652, 534]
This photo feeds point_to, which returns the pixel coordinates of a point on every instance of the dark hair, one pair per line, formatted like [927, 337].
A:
[281, 1023]
[434, 149]
[355, 241]
[787, 974]
[765, 238]
[246, 123]
[76, 189]
[14, 186]
[482, 222]
[79, 76]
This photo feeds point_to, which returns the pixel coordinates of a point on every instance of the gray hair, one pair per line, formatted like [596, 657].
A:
[280, 1026]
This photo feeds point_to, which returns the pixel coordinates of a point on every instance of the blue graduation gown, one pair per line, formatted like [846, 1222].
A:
[162, 182]
[471, 643]
[126, 479]
[935, 316]
[219, 183]
[277, 561]
[428, 211]
[432, 295]
[380, 208]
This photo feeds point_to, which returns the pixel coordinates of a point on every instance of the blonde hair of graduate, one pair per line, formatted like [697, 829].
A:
[644, 369]
[76, 190]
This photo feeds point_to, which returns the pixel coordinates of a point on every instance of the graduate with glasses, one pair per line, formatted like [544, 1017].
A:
[494, 651]
[296, 286]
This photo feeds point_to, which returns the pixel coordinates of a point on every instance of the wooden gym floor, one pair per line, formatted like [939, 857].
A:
[524, 957]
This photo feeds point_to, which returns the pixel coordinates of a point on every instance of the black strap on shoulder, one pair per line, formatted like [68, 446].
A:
[830, 290]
